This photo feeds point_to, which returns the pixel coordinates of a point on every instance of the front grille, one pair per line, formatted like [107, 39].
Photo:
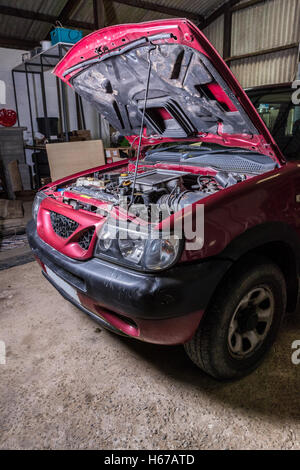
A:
[63, 226]
[86, 237]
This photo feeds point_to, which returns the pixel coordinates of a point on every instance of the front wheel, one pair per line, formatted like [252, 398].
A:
[242, 321]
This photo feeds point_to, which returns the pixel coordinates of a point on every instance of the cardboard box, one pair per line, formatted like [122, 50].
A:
[76, 136]
[67, 158]
[113, 154]
[45, 180]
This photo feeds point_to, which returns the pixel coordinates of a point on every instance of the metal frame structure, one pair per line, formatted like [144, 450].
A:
[37, 65]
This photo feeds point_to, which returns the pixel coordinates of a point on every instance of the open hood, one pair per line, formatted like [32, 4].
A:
[192, 93]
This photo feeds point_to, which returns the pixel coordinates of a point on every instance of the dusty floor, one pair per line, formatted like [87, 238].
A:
[66, 384]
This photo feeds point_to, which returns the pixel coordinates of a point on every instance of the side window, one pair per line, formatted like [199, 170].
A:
[269, 114]
[282, 118]
[291, 121]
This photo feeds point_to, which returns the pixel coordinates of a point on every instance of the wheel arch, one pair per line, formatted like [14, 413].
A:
[278, 242]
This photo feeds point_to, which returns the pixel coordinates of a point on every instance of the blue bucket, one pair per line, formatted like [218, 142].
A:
[65, 35]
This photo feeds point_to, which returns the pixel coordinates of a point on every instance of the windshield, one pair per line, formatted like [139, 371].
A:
[281, 116]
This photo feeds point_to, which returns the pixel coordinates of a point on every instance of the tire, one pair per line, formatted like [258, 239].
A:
[220, 346]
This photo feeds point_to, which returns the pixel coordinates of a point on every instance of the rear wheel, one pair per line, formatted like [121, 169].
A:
[242, 321]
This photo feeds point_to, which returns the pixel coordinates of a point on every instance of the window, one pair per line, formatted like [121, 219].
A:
[282, 118]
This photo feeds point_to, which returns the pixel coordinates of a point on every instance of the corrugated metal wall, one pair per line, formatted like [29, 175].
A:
[269, 24]
[215, 32]
[267, 69]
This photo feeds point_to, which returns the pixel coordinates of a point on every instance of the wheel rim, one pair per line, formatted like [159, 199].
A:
[251, 322]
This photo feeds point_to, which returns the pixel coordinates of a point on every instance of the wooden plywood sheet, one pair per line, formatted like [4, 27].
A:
[71, 157]
[14, 174]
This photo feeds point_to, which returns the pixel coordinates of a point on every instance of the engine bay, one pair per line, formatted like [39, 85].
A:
[165, 188]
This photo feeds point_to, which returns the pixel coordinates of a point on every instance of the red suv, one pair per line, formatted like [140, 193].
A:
[200, 144]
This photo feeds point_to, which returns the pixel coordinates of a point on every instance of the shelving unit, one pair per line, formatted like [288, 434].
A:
[38, 65]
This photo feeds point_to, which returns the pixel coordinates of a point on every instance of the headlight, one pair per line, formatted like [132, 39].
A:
[161, 253]
[40, 196]
[131, 248]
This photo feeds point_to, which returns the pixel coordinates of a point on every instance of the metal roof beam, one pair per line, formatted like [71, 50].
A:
[217, 13]
[63, 16]
[67, 10]
[17, 43]
[99, 13]
[182, 13]
[250, 3]
[249, 55]
[44, 18]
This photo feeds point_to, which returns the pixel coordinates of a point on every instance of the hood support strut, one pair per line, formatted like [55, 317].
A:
[142, 124]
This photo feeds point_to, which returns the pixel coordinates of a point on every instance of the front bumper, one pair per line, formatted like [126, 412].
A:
[164, 308]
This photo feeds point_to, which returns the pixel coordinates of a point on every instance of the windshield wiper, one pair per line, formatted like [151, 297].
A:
[226, 151]
[180, 147]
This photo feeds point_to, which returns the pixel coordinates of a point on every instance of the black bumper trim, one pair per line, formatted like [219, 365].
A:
[178, 291]
[95, 317]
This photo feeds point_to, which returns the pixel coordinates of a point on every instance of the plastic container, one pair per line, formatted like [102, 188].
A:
[45, 45]
[65, 35]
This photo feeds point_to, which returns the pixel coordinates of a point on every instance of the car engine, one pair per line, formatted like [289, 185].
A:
[174, 189]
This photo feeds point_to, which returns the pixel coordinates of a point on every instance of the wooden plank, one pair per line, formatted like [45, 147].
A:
[68, 158]
[15, 177]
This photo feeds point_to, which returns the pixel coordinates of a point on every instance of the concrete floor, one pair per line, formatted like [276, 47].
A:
[68, 384]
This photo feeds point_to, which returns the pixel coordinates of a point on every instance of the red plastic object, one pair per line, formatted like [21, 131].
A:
[8, 117]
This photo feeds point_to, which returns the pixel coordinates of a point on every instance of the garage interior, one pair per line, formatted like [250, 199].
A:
[66, 382]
